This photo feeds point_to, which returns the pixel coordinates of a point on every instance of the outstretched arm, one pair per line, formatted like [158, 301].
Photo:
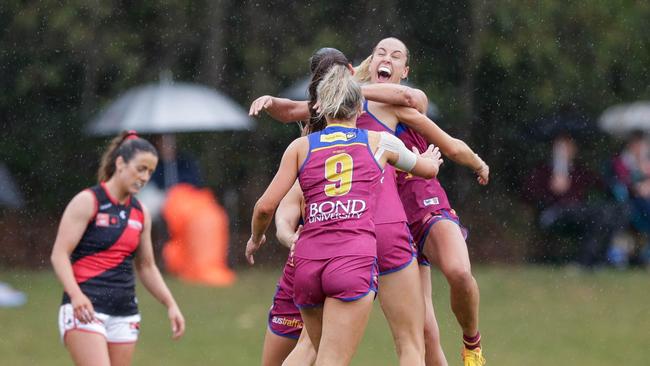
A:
[396, 94]
[277, 189]
[153, 281]
[286, 110]
[281, 109]
[453, 148]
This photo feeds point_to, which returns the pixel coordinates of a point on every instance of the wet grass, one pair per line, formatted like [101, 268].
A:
[529, 316]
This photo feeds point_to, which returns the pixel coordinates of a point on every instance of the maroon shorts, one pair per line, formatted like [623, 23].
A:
[346, 278]
[284, 316]
[395, 247]
[420, 229]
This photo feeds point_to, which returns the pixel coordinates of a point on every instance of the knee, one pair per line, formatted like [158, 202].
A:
[408, 338]
[431, 332]
[460, 277]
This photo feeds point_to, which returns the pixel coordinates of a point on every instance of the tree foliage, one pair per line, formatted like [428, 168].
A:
[491, 67]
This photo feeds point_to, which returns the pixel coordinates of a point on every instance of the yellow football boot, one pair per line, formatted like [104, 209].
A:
[473, 357]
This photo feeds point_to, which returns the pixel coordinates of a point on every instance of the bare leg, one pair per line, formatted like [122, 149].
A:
[87, 348]
[434, 355]
[276, 348]
[303, 354]
[446, 248]
[121, 354]
[313, 319]
[343, 326]
[401, 300]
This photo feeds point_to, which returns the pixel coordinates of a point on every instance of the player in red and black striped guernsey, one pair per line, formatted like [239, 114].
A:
[103, 232]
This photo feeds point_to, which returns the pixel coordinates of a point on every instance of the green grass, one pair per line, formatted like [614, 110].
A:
[529, 316]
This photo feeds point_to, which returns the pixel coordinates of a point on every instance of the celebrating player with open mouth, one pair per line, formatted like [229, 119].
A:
[338, 170]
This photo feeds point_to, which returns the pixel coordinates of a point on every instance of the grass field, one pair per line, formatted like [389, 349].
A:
[529, 316]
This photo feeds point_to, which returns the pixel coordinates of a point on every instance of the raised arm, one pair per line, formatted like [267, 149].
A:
[453, 148]
[153, 281]
[396, 94]
[281, 109]
[288, 216]
[277, 189]
[74, 221]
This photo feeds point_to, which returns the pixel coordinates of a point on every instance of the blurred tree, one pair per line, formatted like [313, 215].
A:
[491, 67]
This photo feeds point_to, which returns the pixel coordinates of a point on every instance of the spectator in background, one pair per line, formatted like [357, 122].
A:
[197, 249]
[559, 189]
[176, 167]
[630, 184]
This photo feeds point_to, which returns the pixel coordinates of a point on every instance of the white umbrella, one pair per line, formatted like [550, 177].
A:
[168, 108]
[625, 118]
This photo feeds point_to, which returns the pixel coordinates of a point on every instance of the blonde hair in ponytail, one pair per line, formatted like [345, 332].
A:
[362, 71]
[339, 95]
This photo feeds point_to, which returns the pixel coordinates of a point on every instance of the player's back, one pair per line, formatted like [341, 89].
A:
[339, 180]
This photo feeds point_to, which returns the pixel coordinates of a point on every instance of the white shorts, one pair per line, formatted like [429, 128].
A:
[116, 329]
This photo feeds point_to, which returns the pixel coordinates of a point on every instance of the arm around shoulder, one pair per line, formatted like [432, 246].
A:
[396, 94]
[424, 165]
[281, 109]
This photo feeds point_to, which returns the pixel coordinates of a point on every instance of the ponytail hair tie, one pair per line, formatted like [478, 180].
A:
[130, 135]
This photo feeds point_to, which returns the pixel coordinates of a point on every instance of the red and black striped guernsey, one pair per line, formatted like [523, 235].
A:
[103, 260]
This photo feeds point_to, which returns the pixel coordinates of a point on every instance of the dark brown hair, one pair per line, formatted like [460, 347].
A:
[319, 64]
[127, 144]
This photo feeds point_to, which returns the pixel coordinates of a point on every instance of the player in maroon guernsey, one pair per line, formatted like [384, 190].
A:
[387, 66]
[338, 169]
[103, 232]
[433, 223]
[401, 296]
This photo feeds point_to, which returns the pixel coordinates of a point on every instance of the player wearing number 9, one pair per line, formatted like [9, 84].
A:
[338, 169]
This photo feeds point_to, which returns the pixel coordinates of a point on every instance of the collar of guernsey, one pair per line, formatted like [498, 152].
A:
[337, 134]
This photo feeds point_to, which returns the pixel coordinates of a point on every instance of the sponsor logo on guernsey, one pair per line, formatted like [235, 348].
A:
[135, 224]
[336, 210]
[431, 201]
[105, 206]
[102, 220]
[293, 322]
[338, 136]
[122, 214]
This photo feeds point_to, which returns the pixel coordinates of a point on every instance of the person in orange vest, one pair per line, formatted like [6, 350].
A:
[197, 249]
